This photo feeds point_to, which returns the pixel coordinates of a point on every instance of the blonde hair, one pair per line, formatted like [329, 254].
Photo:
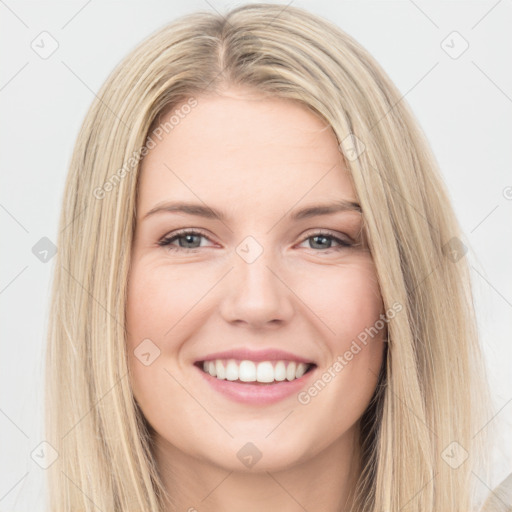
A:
[431, 391]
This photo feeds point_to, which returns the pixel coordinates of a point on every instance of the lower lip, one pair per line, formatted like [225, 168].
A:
[257, 394]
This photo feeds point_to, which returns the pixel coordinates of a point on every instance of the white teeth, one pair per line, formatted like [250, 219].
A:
[280, 371]
[219, 370]
[290, 371]
[265, 372]
[231, 370]
[300, 371]
[247, 371]
[250, 371]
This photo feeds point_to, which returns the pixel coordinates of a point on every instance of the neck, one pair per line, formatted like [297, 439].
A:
[323, 483]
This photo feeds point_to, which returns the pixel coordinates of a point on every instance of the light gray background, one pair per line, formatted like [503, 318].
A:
[464, 105]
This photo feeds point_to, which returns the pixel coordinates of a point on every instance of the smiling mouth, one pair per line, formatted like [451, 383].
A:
[255, 372]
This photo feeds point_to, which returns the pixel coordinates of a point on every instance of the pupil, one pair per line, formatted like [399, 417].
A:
[189, 238]
[320, 237]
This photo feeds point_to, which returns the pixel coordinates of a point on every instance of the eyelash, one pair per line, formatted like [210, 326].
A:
[166, 241]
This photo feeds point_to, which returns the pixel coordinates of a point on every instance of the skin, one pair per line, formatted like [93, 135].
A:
[256, 160]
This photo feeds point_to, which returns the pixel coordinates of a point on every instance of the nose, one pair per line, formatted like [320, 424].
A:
[256, 294]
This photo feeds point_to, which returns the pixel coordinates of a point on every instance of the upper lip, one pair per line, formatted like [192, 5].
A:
[268, 354]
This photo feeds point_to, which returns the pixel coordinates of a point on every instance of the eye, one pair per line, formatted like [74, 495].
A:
[323, 238]
[191, 238]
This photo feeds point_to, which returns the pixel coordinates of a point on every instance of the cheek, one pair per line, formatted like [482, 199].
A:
[159, 297]
[148, 317]
[163, 307]
[346, 298]
[155, 302]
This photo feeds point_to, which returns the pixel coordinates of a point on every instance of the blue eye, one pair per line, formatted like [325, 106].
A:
[188, 240]
[323, 238]
[182, 235]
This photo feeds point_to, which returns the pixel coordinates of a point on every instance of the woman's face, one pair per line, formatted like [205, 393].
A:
[255, 292]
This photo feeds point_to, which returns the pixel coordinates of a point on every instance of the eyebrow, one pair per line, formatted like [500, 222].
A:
[200, 210]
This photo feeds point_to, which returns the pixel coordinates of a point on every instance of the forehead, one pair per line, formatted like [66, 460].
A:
[242, 150]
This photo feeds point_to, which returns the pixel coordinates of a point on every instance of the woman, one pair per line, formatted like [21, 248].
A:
[262, 300]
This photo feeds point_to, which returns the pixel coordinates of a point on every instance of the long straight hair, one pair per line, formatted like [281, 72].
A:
[429, 403]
